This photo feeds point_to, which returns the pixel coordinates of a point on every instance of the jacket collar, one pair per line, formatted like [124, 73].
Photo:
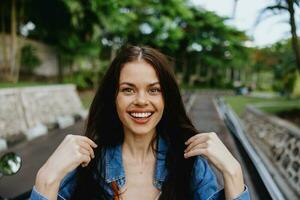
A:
[114, 169]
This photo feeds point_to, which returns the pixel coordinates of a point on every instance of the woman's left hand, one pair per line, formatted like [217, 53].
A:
[210, 146]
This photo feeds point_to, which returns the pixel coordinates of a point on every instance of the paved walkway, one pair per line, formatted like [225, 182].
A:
[206, 119]
[34, 153]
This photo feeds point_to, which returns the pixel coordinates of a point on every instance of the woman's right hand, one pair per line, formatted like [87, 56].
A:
[73, 151]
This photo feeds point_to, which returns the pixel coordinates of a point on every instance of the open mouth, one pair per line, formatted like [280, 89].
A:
[141, 117]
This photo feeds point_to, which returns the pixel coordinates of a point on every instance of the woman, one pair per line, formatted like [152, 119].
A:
[139, 143]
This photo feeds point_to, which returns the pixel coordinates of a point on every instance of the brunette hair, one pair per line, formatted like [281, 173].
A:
[105, 128]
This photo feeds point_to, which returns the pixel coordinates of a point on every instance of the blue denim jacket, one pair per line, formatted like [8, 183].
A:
[203, 183]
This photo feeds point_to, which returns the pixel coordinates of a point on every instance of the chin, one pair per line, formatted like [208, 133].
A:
[141, 130]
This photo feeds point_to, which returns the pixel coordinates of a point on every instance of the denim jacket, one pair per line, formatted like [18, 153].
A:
[203, 182]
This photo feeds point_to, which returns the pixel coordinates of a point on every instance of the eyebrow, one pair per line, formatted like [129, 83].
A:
[131, 84]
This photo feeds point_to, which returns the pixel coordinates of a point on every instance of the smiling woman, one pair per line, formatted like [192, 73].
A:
[139, 101]
[139, 143]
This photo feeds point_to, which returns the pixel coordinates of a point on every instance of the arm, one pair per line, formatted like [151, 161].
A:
[233, 181]
[73, 151]
[210, 146]
[47, 185]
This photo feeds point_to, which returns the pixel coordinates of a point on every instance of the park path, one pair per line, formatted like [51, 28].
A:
[206, 118]
[34, 153]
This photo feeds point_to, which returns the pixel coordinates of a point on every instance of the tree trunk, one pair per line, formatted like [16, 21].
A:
[113, 52]
[232, 78]
[295, 45]
[60, 74]
[4, 68]
[2, 43]
[234, 9]
[185, 72]
[13, 66]
[209, 76]
[296, 88]
[183, 58]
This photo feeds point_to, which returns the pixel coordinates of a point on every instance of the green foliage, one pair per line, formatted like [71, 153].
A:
[29, 59]
[83, 79]
[95, 29]
[278, 59]
[87, 78]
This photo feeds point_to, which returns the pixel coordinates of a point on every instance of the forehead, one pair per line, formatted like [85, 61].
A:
[139, 72]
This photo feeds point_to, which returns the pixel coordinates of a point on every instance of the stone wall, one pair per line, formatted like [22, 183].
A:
[12, 118]
[278, 142]
[22, 109]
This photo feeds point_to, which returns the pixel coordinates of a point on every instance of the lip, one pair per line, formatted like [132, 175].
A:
[141, 120]
[140, 111]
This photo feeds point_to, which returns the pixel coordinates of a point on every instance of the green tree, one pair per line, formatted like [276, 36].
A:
[280, 60]
[11, 15]
[199, 40]
[211, 47]
[289, 7]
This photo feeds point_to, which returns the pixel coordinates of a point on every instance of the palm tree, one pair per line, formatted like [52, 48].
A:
[287, 6]
[234, 9]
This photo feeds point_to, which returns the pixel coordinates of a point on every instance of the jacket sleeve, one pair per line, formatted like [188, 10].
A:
[35, 195]
[66, 188]
[204, 184]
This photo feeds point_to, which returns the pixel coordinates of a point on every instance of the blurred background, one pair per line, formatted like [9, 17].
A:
[214, 45]
[244, 54]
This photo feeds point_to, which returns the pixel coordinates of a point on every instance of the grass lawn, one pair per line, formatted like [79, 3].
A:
[22, 84]
[239, 103]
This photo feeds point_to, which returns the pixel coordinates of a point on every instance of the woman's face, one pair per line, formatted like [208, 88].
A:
[139, 100]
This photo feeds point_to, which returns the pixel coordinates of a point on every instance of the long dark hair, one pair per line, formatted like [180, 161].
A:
[105, 128]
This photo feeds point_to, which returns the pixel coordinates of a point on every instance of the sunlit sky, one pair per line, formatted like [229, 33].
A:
[268, 31]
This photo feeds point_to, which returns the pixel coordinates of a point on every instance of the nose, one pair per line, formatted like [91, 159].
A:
[141, 99]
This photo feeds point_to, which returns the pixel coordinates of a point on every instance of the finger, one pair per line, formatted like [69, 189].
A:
[195, 142]
[88, 140]
[197, 146]
[199, 135]
[195, 152]
[85, 159]
[84, 164]
[84, 151]
[86, 146]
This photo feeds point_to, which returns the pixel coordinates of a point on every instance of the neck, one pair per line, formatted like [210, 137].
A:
[138, 147]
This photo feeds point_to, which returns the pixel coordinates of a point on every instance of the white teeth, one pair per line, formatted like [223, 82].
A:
[141, 115]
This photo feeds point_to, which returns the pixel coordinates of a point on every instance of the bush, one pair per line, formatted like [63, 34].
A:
[29, 59]
[83, 79]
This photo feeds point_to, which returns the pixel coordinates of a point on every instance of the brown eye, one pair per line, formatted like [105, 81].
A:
[154, 90]
[127, 90]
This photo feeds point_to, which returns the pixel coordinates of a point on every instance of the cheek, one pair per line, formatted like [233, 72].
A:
[121, 104]
[159, 104]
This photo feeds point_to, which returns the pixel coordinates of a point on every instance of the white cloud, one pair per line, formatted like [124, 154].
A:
[266, 32]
